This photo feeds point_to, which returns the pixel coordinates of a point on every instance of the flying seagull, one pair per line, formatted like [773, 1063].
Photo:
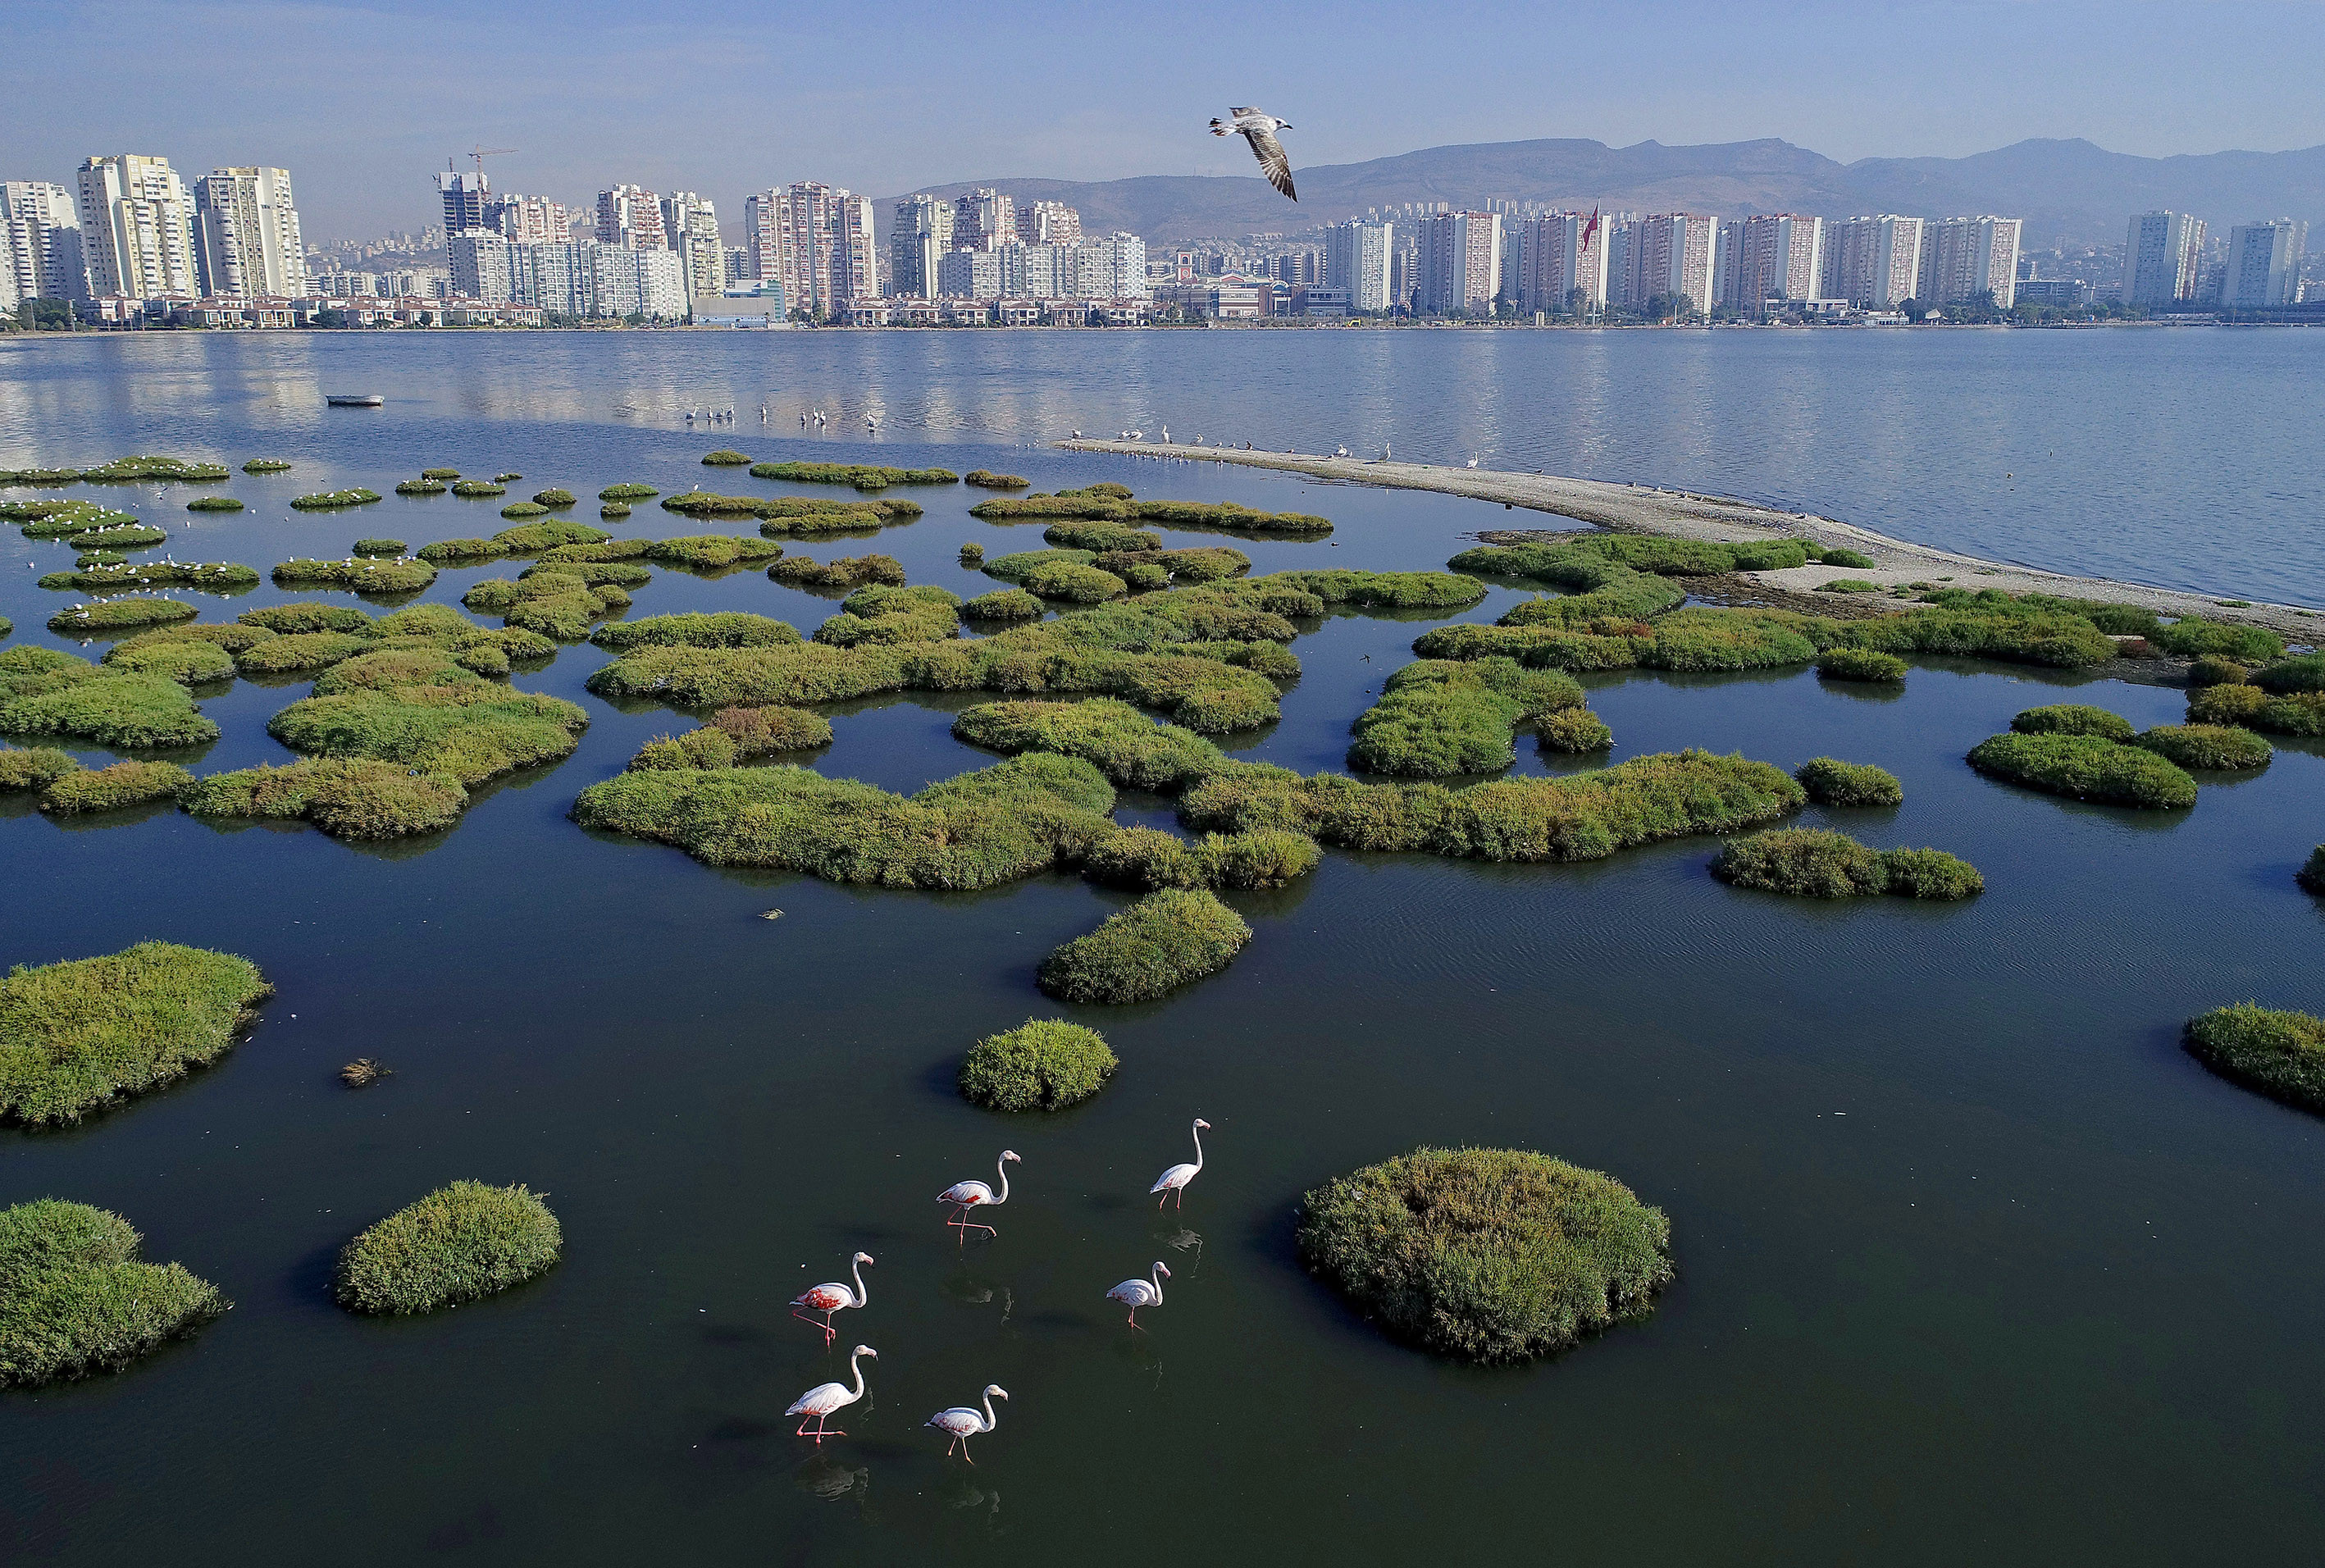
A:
[1259, 128]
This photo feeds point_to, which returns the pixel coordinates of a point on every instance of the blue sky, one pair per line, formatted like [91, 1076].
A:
[361, 102]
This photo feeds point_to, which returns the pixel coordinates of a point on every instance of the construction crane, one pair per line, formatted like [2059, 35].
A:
[482, 153]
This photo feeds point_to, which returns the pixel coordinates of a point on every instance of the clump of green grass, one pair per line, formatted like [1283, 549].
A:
[1167, 940]
[979, 829]
[1073, 582]
[452, 551]
[115, 617]
[1004, 604]
[554, 498]
[724, 629]
[518, 511]
[113, 789]
[1491, 1255]
[330, 500]
[1860, 665]
[1852, 559]
[2216, 747]
[1930, 874]
[881, 614]
[1101, 535]
[266, 466]
[479, 488]
[2213, 670]
[439, 473]
[2312, 875]
[310, 616]
[188, 661]
[2305, 673]
[421, 709]
[206, 576]
[848, 571]
[726, 458]
[1129, 749]
[733, 735]
[809, 517]
[1831, 781]
[1042, 1064]
[34, 767]
[420, 487]
[987, 480]
[972, 553]
[2072, 719]
[43, 692]
[863, 476]
[1382, 589]
[214, 503]
[127, 471]
[628, 493]
[2280, 1054]
[2190, 637]
[356, 576]
[710, 552]
[460, 1243]
[378, 547]
[78, 1036]
[1848, 585]
[1577, 730]
[121, 536]
[1437, 717]
[75, 1300]
[1145, 860]
[2293, 713]
[2085, 767]
[559, 603]
[1102, 506]
[613, 511]
[508, 479]
[1817, 863]
[345, 797]
[534, 538]
[1019, 565]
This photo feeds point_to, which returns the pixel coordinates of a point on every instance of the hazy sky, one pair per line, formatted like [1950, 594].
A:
[361, 103]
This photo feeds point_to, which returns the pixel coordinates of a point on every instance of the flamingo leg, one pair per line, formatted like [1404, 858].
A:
[1182, 1198]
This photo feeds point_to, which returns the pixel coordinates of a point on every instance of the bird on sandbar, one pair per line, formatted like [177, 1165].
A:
[1258, 127]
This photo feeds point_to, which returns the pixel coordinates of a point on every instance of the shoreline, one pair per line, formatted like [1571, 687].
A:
[1687, 515]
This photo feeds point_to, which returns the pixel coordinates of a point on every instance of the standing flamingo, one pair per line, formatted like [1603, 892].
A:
[967, 1195]
[834, 1297]
[824, 1398]
[964, 1423]
[1135, 1293]
[1176, 1178]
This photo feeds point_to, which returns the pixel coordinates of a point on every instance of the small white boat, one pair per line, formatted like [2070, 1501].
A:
[355, 400]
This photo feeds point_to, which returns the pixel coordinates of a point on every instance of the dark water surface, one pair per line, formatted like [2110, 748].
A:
[1973, 1262]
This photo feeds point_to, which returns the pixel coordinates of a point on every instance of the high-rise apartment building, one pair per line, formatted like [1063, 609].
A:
[39, 241]
[482, 266]
[1965, 258]
[918, 237]
[136, 228]
[1768, 257]
[2264, 266]
[969, 274]
[1048, 223]
[529, 219]
[1460, 262]
[1873, 262]
[1356, 257]
[646, 281]
[247, 233]
[2162, 256]
[816, 242]
[632, 219]
[692, 224]
[1672, 256]
[1559, 253]
[983, 220]
[464, 199]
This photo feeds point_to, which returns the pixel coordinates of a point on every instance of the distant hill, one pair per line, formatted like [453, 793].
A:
[2065, 190]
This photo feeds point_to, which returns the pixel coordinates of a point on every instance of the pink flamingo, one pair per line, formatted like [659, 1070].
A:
[967, 1195]
[824, 1398]
[964, 1423]
[1176, 1178]
[1135, 1293]
[834, 1297]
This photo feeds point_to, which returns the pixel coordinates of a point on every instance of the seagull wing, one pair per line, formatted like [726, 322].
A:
[1271, 160]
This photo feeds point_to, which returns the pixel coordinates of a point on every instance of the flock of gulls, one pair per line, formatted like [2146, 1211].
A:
[961, 1422]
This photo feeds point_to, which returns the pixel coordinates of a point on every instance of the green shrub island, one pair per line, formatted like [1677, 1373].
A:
[628, 493]
[711, 551]
[190, 661]
[1167, 940]
[1574, 731]
[1866, 664]
[613, 511]
[480, 489]
[2304, 673]
[863, 476]
[460, 1243]
[726, 458]
[266, 466]
[116, 788]
[848, 571]
[421, 709]
[517, 511]
[2193, 636]
[45, 692]
[1848, 585]
[972, 554]
[124, 536]
[2300, 713]
[85, 1034]
[2072, 719]
[508, 478]
[214, 503]
[1852, 559]
[1491, 1255]
[330, 500]
[2281, 1054]
[206, 576]
[2212, 670]
[421, 487]
[139, 469]
[357, 575]
[1042, 1064]
[883, 614]
[2215, 748]
[1438, 717]
[987, 480]
[115, 617]
[1817, 863]
[557, 604]
[1004, 604]
[1096, 535]
[554, 498]
[2085, 767]
[1830, 782]
[75, 1300]
[34, 767]
[1113, 504]
[2311, 875]
[1145, 860]
[345, 797]
[734, 735]
[60, 519]
[695, 629]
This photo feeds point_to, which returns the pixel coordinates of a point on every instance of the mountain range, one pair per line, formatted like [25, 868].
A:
[2068, 191]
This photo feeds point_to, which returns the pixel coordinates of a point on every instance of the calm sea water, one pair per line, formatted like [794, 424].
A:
[1973, 1260]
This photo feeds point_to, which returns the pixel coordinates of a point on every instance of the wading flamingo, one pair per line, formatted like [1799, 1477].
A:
[964, 1423]
[967, 1195]
[1176, 1178]
[1135, 1293]
[834, 1297]
[824, 1398]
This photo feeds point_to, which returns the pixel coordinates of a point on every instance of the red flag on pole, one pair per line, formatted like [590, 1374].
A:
[1588, 229]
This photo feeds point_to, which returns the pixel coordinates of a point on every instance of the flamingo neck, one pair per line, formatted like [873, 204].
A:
[991, 1420]
[856, 1370]
[1157, 1277]
[1003, 1165]
[1198, 1148]
[857, 1269]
